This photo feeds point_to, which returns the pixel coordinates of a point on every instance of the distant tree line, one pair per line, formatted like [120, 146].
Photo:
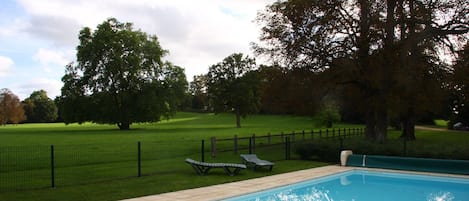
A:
[37, 108]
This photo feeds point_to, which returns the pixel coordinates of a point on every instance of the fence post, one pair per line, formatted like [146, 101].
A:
[213, 147]
[287, 148]
[327, 133]
[235, 142]
[253, 143]
[52, 166]
[320, 133]
[250, 145]
[405, 147]
[303, 135]
[341, 144]
[269, 140]
[203, 150]
[139, 159]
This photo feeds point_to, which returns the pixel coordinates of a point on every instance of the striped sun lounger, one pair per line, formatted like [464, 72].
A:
[253, 161]
[202, 168]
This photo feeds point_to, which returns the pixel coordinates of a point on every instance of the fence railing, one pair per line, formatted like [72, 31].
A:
[274, 139]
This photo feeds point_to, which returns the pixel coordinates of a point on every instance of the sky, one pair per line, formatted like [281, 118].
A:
[38, 38]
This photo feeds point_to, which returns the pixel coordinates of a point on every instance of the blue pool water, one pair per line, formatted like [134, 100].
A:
[369, 186]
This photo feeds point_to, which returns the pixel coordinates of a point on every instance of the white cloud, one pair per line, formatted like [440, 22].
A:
[60, 30]
[197, 33]
[51, 58]
[13, 28]
[51, 86]
[6, 66]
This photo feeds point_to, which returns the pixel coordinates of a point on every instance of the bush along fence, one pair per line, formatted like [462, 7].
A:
[250, 144]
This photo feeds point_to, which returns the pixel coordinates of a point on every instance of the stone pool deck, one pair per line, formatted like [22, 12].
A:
[227, 190]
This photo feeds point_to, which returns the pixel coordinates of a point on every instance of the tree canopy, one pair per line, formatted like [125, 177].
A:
[11, 110]
[120, 78]
[384, 51]
[233, 85]
[39, 108]
[460, 89]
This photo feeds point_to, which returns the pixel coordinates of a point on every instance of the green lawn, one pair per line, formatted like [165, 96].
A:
[441, 123]
[99, 162]
[184, 126]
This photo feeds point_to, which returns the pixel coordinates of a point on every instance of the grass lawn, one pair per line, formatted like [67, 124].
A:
[98, 162]
[441, 123]
[184, 126]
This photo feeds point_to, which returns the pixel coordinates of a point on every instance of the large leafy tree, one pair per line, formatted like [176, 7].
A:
[39, 108]
[233, 85]
[11, 110]
[376, 47]
[460, 89]
[120, 78]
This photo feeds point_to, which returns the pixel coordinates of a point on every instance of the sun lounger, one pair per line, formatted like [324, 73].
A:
[253, 161]
[202, 168]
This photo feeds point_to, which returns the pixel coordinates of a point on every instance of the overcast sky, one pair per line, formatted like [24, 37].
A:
[38, 38]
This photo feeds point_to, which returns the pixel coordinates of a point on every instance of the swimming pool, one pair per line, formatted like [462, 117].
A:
[358, 185]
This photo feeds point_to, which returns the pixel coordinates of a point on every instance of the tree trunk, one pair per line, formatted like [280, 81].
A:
[376, 128]
[381, 131]
[408, 122]
[238, 118]
[364, 63]
[370, 125]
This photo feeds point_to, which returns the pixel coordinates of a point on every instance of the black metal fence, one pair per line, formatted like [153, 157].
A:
[256, 143]
[33, 167]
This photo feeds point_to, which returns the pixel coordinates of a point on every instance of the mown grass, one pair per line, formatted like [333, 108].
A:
[441, 123]
[184, 126]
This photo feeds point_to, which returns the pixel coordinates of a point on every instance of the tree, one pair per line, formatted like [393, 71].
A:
[39, 108]
[10, 108]
[460, 89]
[289, 91]
[198, 91]
[329, 113]
[233, 85]
[120, 78]
[367, 44]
